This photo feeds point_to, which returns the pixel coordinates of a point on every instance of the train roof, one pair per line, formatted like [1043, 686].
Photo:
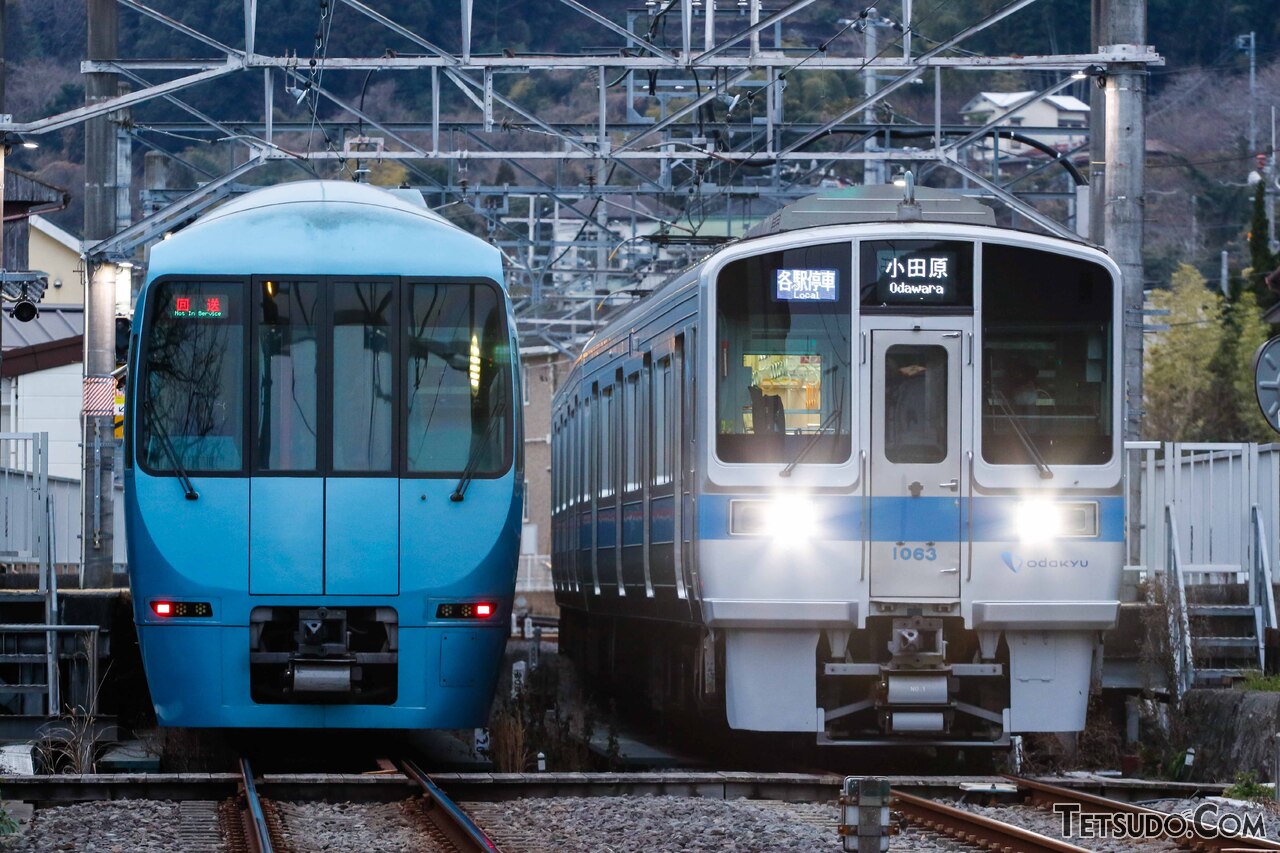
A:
[866, 205]
[878, 203]
[324, 228]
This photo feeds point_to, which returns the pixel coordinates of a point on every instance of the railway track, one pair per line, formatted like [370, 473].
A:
[1048, 796]
[1112, 818]
[975, 829]
[448, 820]
[260, 825]
[257, 832]
[401, 807]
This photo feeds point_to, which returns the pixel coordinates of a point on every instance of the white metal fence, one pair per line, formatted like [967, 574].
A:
[534, 573]
[1213, 489]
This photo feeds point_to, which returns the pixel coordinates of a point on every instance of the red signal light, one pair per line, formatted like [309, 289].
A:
[484, 610]
[162, 608]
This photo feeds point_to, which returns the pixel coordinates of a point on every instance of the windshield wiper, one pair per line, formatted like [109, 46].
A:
[167, 446]
[813, 440]
[1046, 473]
[474, 459]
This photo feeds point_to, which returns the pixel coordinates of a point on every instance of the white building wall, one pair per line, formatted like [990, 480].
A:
[62, 263]
[48, 401]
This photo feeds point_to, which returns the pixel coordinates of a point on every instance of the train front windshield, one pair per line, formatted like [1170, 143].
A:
[308, 376]
[783, 377]
[1047, 358]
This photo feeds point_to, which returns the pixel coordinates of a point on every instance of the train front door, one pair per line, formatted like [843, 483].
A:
[915, 462]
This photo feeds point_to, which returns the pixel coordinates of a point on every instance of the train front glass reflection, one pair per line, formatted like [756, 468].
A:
[783, 326]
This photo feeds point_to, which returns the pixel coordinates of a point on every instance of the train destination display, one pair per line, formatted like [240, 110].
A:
[917, 272]
[806, 285]
[199, 307]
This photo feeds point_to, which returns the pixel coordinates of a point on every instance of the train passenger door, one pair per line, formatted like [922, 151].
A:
[915, 463]
[362, 494]
[286, 496]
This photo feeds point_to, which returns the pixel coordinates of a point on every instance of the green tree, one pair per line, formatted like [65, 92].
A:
[1178, 382]
[1249, 331]
[1261, 260]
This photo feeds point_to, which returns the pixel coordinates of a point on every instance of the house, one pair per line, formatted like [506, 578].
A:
[1039, 120]
[56, 251]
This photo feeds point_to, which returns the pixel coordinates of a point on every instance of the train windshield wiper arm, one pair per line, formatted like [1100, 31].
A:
[813, 440]
[167, 446]
[1046, 473]
[474, 459]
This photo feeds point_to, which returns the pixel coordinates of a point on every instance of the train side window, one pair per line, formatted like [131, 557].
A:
[634, 429]
[559, 470]
[192, 410]
[607, 441]
[571, 458]
[1047, 358]
[661, 430]
[588, 446]
[363, 372]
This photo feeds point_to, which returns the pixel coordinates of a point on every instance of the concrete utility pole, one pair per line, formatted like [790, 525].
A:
[1250, 43]
[1099, 35]
[1125, 153]
[99, 327]
[1269, 175]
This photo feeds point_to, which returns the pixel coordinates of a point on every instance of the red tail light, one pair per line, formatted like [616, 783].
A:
[467, 610]
[182, 609]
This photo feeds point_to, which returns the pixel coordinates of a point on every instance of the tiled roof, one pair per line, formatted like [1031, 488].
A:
[55, 323]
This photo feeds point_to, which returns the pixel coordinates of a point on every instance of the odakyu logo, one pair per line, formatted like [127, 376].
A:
[1016, 563]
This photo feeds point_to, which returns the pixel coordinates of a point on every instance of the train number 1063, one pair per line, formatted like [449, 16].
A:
[919, 553]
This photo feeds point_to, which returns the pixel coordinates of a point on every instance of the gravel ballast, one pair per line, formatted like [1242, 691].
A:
[127, 826]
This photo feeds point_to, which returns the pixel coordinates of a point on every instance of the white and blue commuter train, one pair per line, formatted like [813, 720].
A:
[858, 475]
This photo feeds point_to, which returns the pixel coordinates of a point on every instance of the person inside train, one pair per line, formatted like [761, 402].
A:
[767, 412]
[1020, 387]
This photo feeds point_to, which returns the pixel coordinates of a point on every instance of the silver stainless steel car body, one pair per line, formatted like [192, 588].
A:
[901, 588]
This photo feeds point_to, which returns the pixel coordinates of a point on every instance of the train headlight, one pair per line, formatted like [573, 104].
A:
[1038, 521]
[791, 519]
[787, 518]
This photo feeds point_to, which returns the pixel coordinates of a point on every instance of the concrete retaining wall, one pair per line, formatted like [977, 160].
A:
[1233, 731]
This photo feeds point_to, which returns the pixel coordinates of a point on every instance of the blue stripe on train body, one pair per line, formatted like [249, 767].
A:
[905, 519]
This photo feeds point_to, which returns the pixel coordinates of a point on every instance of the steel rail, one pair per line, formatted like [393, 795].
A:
[256, 830]
[1046, 796]
[447, 815]
[62, 789]
[972, 828]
